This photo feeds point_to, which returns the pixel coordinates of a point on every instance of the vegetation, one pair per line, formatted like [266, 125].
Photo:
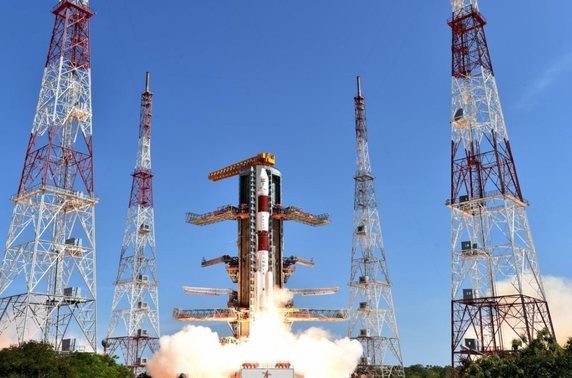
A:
[97, 366]
[40, 360]
[542, 358]
[429, 371]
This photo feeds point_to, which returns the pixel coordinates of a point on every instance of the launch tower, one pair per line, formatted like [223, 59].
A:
[496, 288]
[372, 316]
[134, 325]
[260, 215]
[47, 277]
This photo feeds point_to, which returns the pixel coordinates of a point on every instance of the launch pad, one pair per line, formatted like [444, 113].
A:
[277, 370]
[260, 267]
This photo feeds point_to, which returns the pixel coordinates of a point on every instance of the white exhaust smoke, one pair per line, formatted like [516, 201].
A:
[558, 292]
[559, 297]
[196, 351]
[8, 338]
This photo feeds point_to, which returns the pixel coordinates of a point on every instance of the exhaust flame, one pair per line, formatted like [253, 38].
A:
[196, 351]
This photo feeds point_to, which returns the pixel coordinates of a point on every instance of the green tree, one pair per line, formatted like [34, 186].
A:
[567, 360]
[33, 360]
[39, 360]
[97, 366]
[541, 358]
[428, 371]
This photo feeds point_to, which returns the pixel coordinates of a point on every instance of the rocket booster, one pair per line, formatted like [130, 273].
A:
[264, 276]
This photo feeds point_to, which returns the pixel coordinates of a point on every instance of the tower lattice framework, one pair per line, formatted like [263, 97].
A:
[496, 287]
[134, 325]
[47, 277]
[372, 315]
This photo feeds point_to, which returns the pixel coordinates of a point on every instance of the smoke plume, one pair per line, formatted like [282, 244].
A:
[558, 292]
[196, 351]
[559, 296]
[8, 338]
[5, 342]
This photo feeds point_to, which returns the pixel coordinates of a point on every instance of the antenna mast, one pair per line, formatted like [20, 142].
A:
[134, 325]
[496, 288]
[372, 315]
[47, 277]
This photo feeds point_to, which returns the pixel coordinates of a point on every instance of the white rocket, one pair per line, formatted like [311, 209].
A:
[264, 277]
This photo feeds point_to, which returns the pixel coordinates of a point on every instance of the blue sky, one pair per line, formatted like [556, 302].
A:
[232, 79]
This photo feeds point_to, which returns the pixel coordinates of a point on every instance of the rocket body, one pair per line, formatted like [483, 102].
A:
[264, 276]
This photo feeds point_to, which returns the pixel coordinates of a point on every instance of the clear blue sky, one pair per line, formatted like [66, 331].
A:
[234, 78]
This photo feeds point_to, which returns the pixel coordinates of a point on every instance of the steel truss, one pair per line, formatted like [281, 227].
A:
[496, 288]
[233, 315]
[133, 328]
[230, 212]
[47, 277]
[519, 316]
[372, 318]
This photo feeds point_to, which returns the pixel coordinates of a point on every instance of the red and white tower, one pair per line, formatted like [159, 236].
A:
[372, 316]
[496, 287]
[47, 277]
[134, 325]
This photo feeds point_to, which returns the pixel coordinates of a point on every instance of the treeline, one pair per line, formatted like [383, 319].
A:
[542, 358]
[40, 360]
[428, 371]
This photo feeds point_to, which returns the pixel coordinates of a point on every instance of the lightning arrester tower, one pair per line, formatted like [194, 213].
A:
[47, 277]
[372, 316]
[134, 324]
[496, 287]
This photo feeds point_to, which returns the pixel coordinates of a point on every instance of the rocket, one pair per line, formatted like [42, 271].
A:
[260, 267]
[264, 277]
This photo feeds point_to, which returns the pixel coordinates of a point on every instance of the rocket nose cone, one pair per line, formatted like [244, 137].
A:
[262, 183]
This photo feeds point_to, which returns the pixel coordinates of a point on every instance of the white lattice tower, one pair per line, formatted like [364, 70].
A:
[372, 315]
[496, 288]
[47, 277]
[133, 329]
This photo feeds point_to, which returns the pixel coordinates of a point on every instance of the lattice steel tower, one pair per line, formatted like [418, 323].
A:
[134, 325]
[47, 277]
[372, 315]
[496, 288]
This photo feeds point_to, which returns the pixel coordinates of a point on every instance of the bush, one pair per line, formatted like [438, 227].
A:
[542, 358]
[39, 360]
